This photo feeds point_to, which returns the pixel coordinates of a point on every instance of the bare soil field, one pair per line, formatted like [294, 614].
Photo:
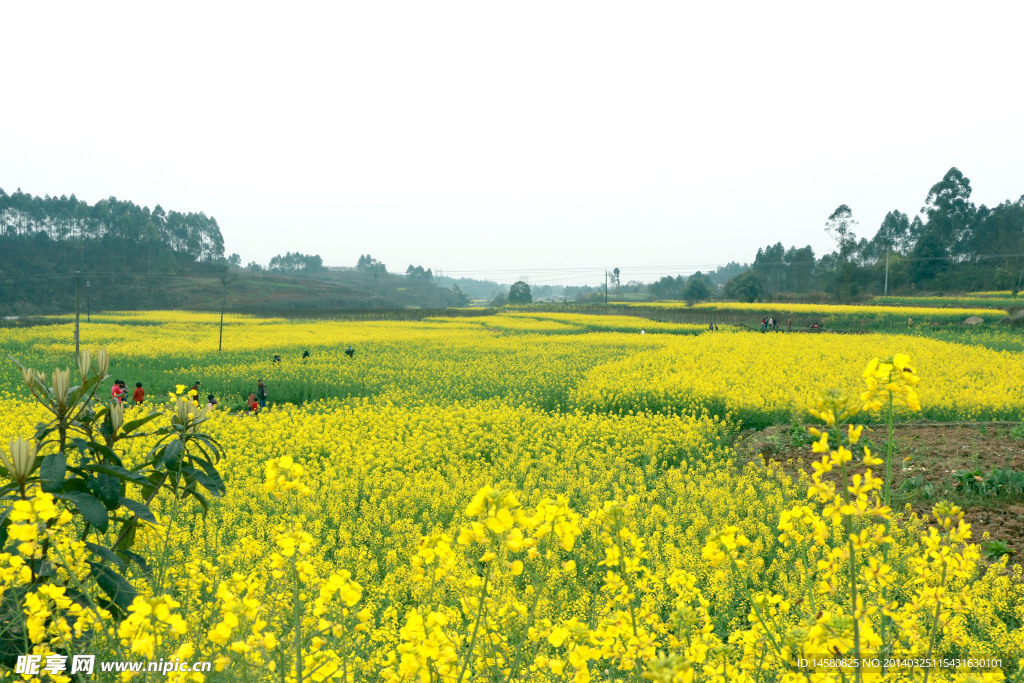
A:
[973, 465]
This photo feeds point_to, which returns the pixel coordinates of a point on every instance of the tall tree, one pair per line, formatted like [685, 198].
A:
[840, 226]
[893, 234]
[950, 212]
[999, 239]
[800, 265]
[770, 266]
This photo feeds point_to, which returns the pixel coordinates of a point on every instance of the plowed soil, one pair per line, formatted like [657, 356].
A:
[927, 454]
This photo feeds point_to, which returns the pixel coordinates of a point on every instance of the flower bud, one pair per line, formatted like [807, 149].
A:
[116, 415]
[61, 382]
[103, 361]
[29, 376]
[84, 361]
[20, 460]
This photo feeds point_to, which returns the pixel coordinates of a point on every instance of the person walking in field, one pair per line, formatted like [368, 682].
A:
[350, 351]
[261, 394]
[115, 391]
[139, 395]
[254, 406]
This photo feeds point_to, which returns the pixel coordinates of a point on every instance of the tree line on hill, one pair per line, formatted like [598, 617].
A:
[127, 256]
[951, 245]
[125, 250]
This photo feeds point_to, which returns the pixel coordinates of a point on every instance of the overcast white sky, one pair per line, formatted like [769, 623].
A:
[514, 139]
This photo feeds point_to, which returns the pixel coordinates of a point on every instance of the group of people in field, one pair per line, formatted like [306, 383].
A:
[119, 392]
[257, 400]
[771, 323]
[255, 403]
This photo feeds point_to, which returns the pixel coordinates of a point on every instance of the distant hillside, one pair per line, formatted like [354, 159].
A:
[131, 257]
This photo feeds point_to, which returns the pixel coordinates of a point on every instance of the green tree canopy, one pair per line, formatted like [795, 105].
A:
[519, 293]
[368, 264]
[746, 286]
[698, 288]
[294, 262]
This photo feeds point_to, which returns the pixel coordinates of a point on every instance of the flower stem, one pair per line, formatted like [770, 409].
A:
[476, 624]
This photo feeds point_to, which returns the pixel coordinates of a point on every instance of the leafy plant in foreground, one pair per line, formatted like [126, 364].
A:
[69, 486]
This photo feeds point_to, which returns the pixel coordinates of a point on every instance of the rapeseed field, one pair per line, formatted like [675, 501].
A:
[507, 498]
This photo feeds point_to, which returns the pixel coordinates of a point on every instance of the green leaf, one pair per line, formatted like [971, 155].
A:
[106, 430]
[215, 448]
[119, 472]
[212, 472]
[75, 485]
[107, 453]
[113, 584]
[129, 427]
[108, 489]
[139, 509]
[90, 508]
[106, 554]
[153, 481]
[4, 525]
[52, 471]
[137, 559]
[212, 484]
[202, 501]
[126, 539]
[171, 456]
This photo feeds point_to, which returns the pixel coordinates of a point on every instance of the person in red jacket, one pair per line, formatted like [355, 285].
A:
[254, 405]
[140, 394]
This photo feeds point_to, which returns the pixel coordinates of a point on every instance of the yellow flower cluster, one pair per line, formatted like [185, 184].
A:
[283, 475]
[883, 314]
[764, 379]
[891, 377]
[1003, 299]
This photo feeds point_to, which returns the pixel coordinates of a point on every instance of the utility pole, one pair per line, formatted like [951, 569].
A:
[88, 302]
[223, 303]
[888, 249]
[886, 290]
[78, 278]
[606, 292]
[223, 297]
